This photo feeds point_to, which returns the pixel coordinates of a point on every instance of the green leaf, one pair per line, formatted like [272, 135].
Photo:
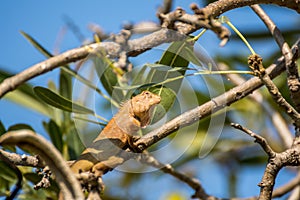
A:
[65, 84]
[2, 128]
[108, 75]
[7, 173]
[65, 89]
[175, 55]
[33, 177]
[190, 55]
[55, 134]
[75, 145]
[167, 96]
[89, 120]
[36, 44]
[139, 78]
[16, 127]
[60, 102]
[25, 96]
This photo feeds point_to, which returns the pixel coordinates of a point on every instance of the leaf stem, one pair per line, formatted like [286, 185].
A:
[241, 36]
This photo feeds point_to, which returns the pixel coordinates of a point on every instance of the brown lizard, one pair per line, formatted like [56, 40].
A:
[117, 135]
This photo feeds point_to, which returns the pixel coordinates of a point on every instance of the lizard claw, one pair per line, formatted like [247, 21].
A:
[132, 145]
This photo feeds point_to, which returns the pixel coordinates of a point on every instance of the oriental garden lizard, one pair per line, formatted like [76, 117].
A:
[117, 135]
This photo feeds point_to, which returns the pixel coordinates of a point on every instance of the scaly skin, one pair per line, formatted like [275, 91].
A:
[102, 155]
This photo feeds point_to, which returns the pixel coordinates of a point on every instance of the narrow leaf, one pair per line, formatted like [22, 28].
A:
[108, 75]
[2, 128]
[175, 55]
[168, 97]
[55, 134]
[65, 84]
[60, 102]
[6, 172]
[75, 146]
[36, 44]
[25, 96]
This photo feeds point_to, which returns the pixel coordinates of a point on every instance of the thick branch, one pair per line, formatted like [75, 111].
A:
[219, 7]
[33, 142]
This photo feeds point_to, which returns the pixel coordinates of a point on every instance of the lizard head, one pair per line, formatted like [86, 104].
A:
[142, 106]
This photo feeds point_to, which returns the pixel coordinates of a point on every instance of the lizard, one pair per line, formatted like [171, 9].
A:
[102, 155]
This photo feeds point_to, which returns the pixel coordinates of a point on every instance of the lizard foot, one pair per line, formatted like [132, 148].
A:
[132, 145]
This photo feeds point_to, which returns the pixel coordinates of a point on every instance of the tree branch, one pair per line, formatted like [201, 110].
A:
[193, 183]
[166, 7]
[22, 160]
[211, 106]
[219, 7]
[291, 65]
[258, 139]
[29, 140]
[255, 63]
[136, 46]
[277, 120]
[290, 157]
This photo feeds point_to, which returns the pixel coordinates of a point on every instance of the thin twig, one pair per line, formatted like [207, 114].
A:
[166, 7]
[200, 193]
[260, 140]
[293, 80]
[189, 23]
[276, 161]
[277, 120]
[255, 63]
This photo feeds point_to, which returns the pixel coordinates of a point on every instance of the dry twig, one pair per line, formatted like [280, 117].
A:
[278, 122]
[290, 157]
[167, 168]
[293, 80]
[255, 63]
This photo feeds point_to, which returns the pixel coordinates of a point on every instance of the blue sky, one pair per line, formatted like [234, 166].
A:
[44, 20]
